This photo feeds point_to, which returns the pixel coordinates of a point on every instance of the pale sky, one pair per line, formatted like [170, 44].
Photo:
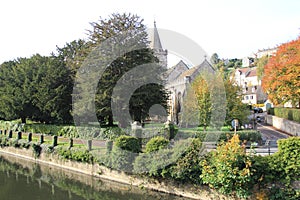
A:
[231, 28]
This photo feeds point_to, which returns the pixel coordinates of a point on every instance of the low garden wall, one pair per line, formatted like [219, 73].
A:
[290, 127]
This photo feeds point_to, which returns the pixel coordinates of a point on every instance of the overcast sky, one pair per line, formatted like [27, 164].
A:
[231, 28]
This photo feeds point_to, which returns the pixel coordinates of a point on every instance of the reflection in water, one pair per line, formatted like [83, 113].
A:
[22, 179]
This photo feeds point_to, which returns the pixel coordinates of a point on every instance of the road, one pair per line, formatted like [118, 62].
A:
[270, 133]
[269, 136]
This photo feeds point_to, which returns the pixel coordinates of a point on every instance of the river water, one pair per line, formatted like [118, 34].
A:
[21, 179]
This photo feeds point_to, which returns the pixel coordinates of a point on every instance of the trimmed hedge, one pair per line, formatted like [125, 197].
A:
[156, 144]
[128, 143]
[292, 114]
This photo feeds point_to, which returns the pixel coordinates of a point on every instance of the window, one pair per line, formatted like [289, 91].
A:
[251, 97]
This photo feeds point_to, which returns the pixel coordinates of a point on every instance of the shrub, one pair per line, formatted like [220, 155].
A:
[228, 169]
[187, 167]
[68, 131]
[121, 159]
[128, 143]
[37, 149]
[270, 111]
[286, 162]
[123, 153]
[156, 144]
[157, 163]
[80, 155]
[4, 141]
[250, 136]
[292, 114]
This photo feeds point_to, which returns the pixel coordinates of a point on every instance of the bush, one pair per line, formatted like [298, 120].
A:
[79, 155]
[123, 153]
[37, 150]
[228, 169]
[4, 141]
[157, 163]
[249, 136]
[286, 162]
[121, 159]
[42, 128]
[68, 131]
[288, 113]
[128, 143]
[187, 168]
[270, 111]
[156, 144]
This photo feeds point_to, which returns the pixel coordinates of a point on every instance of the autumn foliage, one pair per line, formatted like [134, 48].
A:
[281, 79]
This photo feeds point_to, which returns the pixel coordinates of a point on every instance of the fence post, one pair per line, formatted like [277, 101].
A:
[54, 140]
[19, 137]
[29, 137]
[10, 133]
[109, 145]
[41, 139]
[137, 131]
[89, 143]
[71, 143]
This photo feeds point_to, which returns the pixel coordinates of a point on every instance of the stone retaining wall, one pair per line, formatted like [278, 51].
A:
[96, 170]
[290, 127]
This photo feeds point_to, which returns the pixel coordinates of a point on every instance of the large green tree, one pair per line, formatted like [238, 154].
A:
[36, 88]
[123, 35]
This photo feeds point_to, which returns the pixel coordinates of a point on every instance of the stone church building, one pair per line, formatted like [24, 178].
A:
[178, 77]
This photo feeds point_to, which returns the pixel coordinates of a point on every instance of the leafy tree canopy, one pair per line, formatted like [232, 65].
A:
[281, 79]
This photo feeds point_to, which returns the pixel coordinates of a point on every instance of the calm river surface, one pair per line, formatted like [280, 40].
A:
[25, 180]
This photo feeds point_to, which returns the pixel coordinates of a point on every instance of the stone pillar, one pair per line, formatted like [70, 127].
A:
[137, 131]
[89, 144]
[29, 137]
[109, 145]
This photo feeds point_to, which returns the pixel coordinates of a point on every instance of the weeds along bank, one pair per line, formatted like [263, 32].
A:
[191, 172]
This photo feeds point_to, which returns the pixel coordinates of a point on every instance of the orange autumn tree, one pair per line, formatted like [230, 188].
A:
[281, 79]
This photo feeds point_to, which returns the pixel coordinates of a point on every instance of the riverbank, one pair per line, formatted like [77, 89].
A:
[101, 172]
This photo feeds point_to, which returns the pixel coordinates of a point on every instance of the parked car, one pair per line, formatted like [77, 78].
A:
[258, 110]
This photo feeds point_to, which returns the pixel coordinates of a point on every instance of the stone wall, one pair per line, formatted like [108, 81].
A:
[95, 170]
[290, 127]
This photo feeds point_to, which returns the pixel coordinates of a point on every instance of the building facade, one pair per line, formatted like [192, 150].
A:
[178, 78]
[248, 80]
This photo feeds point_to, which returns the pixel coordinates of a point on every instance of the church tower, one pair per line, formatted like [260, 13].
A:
[159, 52]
